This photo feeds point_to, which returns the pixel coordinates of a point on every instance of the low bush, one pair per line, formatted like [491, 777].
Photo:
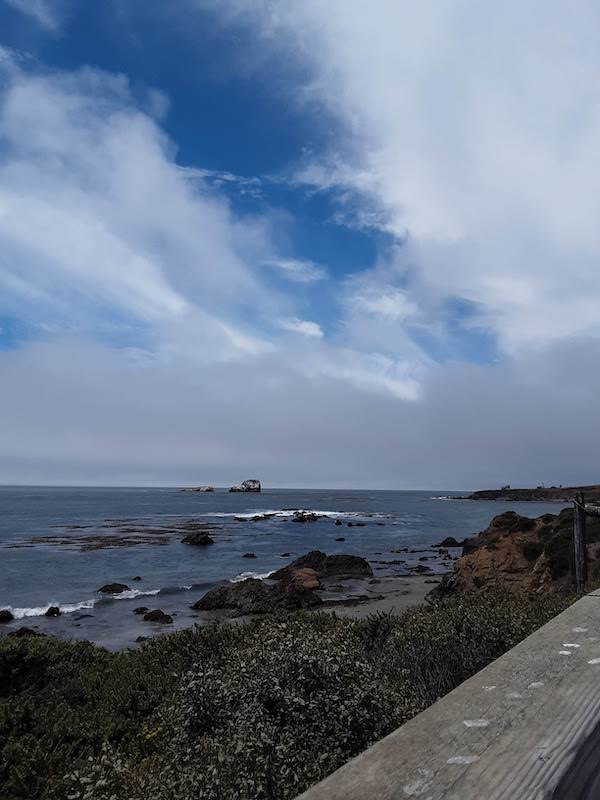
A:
[260, 710]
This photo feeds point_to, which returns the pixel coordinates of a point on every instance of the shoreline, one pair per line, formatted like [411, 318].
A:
[388, 595]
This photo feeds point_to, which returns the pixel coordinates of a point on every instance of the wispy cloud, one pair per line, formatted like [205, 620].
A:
[46, 13]
[298, 270]
[251, 186]
[301, 326]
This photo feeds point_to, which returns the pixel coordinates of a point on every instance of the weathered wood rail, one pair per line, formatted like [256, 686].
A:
[581, 511]
[527, 727]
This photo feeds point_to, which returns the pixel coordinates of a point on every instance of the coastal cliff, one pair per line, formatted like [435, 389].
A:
[540, 493]
[522, 555]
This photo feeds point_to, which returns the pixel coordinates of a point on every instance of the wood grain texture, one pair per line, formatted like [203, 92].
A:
[541, 703]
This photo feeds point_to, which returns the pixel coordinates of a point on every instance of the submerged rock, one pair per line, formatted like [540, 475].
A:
[141, 610]
[249, 485]
[113, 588]
[249, 555]
[6, 615]
[200, 538]
[158, 616]
[450, 541]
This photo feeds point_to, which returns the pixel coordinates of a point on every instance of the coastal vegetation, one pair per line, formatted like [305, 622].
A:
[259, 710]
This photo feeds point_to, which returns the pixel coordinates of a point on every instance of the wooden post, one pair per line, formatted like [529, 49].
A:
[580, 539]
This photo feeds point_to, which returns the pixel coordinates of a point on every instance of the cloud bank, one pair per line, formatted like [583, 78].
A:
[163, 350]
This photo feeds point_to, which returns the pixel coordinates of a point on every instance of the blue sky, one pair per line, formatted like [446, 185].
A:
[343, 213]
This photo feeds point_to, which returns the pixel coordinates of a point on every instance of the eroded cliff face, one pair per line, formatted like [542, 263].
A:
[522, 554]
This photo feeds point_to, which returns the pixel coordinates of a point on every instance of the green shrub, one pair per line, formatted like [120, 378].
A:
[260, 710]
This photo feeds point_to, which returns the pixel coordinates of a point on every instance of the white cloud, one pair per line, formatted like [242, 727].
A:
[479, 143]
[386, 302]
[298, 270]
[96, 219]
[301, 326]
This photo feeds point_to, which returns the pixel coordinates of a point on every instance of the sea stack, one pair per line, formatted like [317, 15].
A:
[250, 485]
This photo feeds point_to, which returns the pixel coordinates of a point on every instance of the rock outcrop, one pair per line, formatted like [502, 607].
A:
[249, 485]
[6, 615]
[523, 555]
[158, 616]
[113, 588]
[199, 489]
[253, 596]
[336, 566]
[53, 611]
[24, 631]
[200, 538]
[450, 541]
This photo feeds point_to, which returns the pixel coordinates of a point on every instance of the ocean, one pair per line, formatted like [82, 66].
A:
[59, 545]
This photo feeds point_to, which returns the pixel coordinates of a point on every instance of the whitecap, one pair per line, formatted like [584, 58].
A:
[39, 611]
[244, 575]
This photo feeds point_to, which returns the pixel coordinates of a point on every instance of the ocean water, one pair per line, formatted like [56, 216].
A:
[59, 545]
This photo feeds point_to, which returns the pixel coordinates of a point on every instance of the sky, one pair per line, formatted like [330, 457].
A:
[326, 244]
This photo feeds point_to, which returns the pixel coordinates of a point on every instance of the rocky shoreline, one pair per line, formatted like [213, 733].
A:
[563, 494]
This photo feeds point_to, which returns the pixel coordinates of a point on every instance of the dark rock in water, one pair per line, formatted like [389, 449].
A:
[307, 516]
[141, 610]
[250, 485]
[113, 588]
[335, 566]
[198, 538]
[6, 615]
[350, 524]
[23, 631]
[253, 596]
[199, 489]
[420, 568]
[450, 541]
[338, 522]
[53, 611]
[137, 578]
[249, 555]
[380, 524]
[284, 555]
[157, 616]
[142, 638]
[340, 539]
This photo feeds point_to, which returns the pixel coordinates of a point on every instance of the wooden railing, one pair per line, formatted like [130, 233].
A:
[581, 511]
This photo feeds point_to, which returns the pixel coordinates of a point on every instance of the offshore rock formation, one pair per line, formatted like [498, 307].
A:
[199, 489]
[249, 485]
[522, 555]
